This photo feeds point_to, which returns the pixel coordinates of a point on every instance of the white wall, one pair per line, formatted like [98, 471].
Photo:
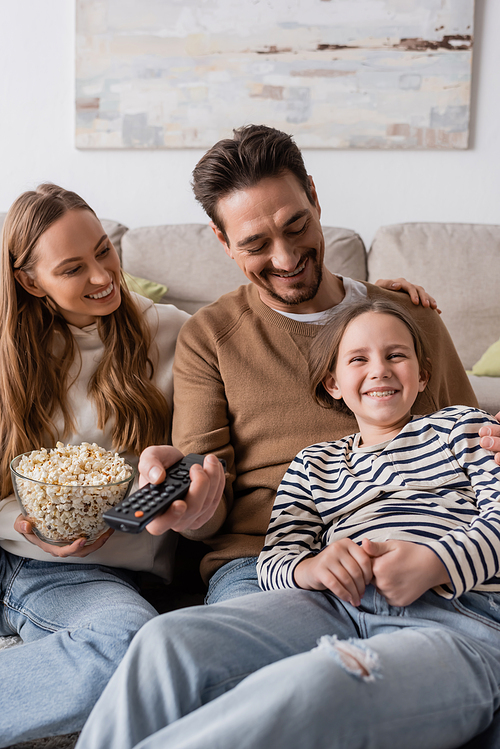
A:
[359, 190]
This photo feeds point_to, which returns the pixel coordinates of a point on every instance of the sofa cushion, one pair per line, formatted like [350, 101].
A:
[190, 260]
[487, 390]
[489, 364]
[455, 263]
[115, 232]
[144, 287]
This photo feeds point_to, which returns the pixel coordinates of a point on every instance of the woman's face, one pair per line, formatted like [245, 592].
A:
[77, 267]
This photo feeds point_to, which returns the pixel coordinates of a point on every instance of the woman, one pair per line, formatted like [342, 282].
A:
[81, 359]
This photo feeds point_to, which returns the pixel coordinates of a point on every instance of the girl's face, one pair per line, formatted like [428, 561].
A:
[77, 267]
[377, 374]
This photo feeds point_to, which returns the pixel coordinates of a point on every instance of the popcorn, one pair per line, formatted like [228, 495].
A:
[79, 483]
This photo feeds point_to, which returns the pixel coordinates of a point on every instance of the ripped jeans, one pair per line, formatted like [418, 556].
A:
[299, 669]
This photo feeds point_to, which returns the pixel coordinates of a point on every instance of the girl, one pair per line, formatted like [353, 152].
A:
[371, 360]
[81, 359]
[385, 546]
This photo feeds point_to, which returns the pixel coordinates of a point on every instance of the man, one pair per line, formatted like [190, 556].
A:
[240, 370]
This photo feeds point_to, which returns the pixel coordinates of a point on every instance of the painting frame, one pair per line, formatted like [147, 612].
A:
[172, 74]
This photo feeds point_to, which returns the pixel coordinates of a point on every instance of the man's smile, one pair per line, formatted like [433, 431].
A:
[292, 273]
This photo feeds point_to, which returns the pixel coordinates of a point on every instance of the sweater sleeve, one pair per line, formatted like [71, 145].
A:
[471, 555]
[200, 417]
[9, 511]
[295, 530]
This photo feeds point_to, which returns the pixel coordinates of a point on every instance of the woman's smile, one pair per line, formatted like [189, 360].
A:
[102, 294]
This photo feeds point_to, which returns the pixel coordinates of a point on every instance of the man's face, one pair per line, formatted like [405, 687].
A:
[275, 236]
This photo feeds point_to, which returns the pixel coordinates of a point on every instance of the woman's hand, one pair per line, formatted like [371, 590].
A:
[202, 498]
[417, 294]
[76, 549]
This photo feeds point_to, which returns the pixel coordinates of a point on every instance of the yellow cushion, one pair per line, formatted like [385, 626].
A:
[489, 364]
[144, 287]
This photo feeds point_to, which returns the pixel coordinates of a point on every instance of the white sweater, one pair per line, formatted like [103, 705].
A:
[134, 552]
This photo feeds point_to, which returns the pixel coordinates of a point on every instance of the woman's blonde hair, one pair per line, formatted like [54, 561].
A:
[324, 350]
[34, 379]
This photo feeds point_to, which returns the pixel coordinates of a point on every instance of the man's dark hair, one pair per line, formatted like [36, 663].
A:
[255, 152]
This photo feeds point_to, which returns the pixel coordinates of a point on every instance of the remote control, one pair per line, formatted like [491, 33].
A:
[134, 512]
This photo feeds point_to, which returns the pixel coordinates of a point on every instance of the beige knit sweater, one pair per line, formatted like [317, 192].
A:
[133, 552]
[241, 390]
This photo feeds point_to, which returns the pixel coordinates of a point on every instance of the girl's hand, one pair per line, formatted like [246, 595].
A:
[76, 549]
[343, 567]
[202, 498]
[417, 294]
[403, 571]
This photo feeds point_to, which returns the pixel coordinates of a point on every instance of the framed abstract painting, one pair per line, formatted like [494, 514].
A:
[334, 73]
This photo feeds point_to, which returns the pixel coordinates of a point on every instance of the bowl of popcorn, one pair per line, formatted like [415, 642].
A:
[63, 491]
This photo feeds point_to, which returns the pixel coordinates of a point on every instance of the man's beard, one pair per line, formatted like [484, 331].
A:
[301, 293]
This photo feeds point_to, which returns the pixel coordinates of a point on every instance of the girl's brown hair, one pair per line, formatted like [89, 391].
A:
[325, 347]
[34, 378]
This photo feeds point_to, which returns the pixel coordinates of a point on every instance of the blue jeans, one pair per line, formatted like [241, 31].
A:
[293, 669]
[76, 622]
[236, 578]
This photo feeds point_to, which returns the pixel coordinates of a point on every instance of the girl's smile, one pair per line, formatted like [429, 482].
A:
[377, 375]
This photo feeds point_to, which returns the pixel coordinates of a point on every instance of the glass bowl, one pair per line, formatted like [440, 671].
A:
[61, 513]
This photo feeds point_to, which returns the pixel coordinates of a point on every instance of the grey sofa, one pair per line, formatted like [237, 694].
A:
[459, 264]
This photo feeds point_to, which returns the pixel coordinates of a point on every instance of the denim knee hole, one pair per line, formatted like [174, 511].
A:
[354, 657]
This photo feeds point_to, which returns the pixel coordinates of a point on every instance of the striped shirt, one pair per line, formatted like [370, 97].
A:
[433, 484]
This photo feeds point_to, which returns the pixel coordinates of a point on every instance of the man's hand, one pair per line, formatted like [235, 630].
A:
[202, 498]
[403, 571]
[490, 438]
[342, 567]
[417, 294]
[76, 549]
